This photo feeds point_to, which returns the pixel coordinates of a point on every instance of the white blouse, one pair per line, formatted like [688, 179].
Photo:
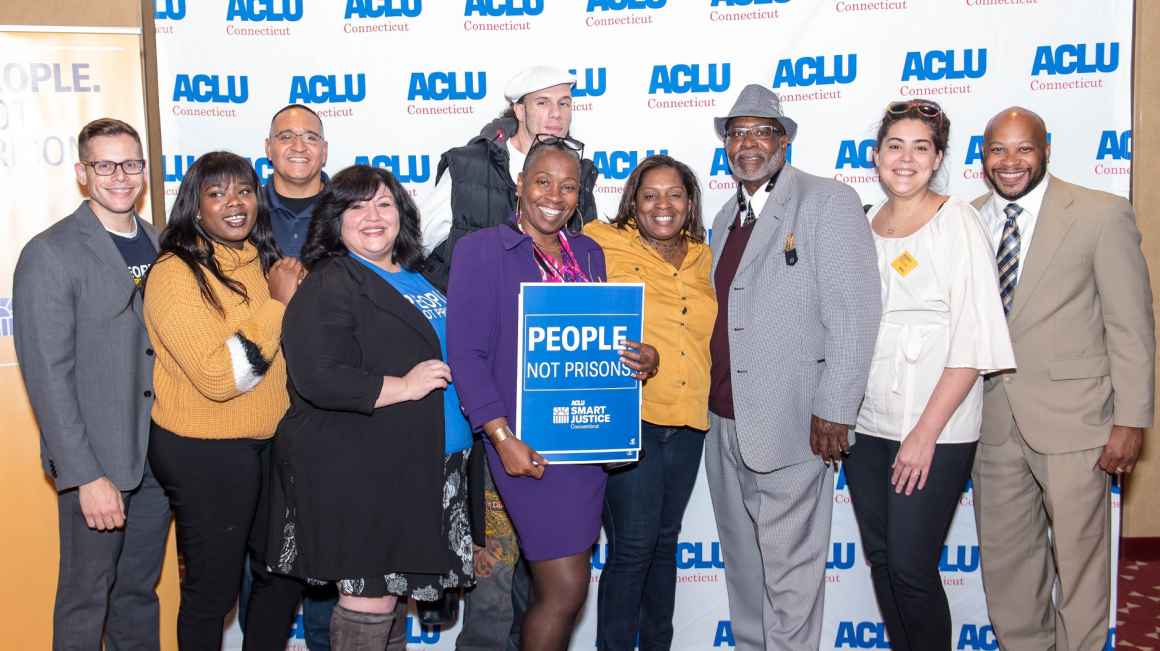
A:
[940, 309]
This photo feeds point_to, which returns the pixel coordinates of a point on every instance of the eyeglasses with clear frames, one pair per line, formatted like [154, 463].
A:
[287, 136]
[760, 132]
[109, 168]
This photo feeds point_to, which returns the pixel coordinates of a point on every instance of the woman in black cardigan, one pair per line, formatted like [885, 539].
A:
[369, 483]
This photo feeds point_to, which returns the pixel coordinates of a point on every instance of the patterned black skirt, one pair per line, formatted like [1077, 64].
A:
[457, 531]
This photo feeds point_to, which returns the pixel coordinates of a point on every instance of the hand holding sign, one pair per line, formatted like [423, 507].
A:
[642, 358]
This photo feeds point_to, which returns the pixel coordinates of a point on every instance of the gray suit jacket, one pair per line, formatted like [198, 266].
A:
[800, 336]
[1081, 326]
[83, 351]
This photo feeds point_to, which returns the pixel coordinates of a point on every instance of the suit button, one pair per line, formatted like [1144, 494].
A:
[149, 352]
[148, 393]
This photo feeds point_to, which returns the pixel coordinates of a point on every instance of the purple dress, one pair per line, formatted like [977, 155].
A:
[559, 514]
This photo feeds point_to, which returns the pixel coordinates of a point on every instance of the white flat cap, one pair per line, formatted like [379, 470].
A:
[536, 78]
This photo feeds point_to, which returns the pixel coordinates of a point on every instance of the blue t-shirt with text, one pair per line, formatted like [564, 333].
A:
[432, 304]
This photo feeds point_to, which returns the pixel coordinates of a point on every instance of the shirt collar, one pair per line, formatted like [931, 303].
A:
[1031, 203]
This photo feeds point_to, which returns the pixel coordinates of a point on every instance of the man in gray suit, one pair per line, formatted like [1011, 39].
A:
[798, 311]
[88, 370]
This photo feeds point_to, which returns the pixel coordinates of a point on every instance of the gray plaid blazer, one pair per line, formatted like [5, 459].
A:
[800, 336]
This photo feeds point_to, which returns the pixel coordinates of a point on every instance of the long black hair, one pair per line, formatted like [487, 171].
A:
[693, 229]
[351, 185]
[184, 237]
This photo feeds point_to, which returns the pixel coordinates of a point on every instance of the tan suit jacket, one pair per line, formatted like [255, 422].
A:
[1081, 327]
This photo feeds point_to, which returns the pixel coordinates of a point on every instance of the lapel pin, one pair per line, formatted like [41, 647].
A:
[790, 250]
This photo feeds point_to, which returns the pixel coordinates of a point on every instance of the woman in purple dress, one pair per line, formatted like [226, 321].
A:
[556, 511]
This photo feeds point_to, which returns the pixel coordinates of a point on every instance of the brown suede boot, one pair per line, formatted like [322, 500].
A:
[354, 631]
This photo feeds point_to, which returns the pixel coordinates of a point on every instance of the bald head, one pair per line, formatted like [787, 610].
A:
[1015, 152]
[1020, 116]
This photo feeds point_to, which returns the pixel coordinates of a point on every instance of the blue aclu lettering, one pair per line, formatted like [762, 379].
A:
[445, 85]
[856, 154]
[936, 65]
[383, 9]
[265, 10]
[262, 168]
[842, 556]
[591, 83]
[174, 166]
[1116, 145]
[168, 9]
[618, 165]
[974, 636]
[695, 556]
[219, 89]
[724, 634]
[498, 8]
[324, 89]
[414, 168]
[861, 635]
[689, 78]
[816, 71]
[618, 5]
[960, 558]
[418, 634]
[720, 167]
[1072, 58]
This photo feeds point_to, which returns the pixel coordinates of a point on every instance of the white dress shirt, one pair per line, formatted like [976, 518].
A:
[757, 199]
[435, 211]
[995, 219]
[943, 312]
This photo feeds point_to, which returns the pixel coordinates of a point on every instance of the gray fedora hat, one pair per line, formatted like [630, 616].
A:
[756, 101]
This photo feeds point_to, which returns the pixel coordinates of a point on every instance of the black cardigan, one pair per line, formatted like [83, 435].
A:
[363, 486]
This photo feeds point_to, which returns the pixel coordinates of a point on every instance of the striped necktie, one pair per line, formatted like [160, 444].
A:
[1008, 257]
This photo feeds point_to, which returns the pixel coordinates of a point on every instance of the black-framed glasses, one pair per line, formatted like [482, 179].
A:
[109, 168]
[287, 136]
[923, 107]
[571, 144]
[760, 132]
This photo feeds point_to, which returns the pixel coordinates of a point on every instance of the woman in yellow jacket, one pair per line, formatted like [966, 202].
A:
[657, 238]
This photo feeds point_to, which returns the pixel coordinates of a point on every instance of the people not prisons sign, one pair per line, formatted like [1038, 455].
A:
[577, 402]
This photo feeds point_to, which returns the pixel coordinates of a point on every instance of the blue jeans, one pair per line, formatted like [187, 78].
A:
[643, 507]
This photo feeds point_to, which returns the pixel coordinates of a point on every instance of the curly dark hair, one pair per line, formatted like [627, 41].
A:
[692, 229]
[184, 237]
[360, 183]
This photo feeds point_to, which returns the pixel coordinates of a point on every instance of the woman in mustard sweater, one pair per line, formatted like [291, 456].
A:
[213, 309]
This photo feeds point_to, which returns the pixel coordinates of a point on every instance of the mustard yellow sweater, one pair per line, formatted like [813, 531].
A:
[216, 377]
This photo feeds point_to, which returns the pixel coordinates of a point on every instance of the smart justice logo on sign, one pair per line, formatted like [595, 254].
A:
[577, 403]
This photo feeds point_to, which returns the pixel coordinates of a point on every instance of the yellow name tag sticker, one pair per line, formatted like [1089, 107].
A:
[904, 263]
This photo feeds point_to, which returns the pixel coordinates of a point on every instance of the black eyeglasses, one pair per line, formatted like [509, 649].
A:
[925, 108]
[547, 139]
[109, 168]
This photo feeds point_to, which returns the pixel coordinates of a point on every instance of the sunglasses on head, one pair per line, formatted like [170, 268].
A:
[923, 107]
[571, 144]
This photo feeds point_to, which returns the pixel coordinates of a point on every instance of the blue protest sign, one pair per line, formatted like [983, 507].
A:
[576, 402]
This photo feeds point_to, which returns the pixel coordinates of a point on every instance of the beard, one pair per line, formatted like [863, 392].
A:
[1036, 178]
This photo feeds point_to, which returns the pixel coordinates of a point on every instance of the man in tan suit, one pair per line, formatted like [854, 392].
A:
[1075, 285]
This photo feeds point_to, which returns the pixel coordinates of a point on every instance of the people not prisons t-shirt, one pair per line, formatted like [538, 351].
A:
[137, 251]
[432, 304]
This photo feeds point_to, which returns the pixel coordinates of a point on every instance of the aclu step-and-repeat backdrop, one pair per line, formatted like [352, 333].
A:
[397, 82]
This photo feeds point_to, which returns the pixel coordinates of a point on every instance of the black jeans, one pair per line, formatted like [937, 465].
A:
[903, 536]
[643, 507]
[213, 487]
